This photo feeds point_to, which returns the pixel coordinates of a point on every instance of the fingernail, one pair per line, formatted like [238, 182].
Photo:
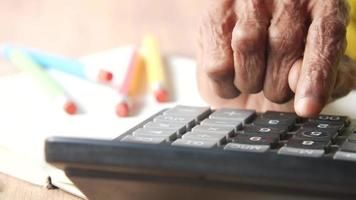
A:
[308, 106]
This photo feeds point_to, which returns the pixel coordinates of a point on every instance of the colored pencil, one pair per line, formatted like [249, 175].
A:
[70, 66]
[129, 85]
[156, 74]
[53, 89]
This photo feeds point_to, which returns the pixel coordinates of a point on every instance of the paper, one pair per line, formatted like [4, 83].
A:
[28, 116]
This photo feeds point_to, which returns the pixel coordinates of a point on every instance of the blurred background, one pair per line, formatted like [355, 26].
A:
[76, 28]
[79, 27]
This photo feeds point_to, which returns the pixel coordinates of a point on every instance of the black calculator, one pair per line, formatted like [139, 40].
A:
[188, 152]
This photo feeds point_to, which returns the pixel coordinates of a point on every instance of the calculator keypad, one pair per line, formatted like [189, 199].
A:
[246, 131]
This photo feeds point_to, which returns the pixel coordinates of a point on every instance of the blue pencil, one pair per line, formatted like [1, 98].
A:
[63, 64]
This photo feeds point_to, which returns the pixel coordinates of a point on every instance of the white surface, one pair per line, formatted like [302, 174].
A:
[343, 106]
[28, 117]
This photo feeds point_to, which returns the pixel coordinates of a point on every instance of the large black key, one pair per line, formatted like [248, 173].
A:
[330, 127]
[274, 122]
[331, 119]
[264, 130]
[280, 115]
[316, 134]
[270, 140]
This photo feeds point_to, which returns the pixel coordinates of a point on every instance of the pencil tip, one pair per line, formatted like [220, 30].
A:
[161, 96]
[105, 76]
[70, 108]
[122, 110]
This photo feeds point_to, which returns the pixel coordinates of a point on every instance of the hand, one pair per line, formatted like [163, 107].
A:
[287, 49]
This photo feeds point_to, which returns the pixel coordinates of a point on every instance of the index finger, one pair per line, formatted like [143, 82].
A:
[325, 45]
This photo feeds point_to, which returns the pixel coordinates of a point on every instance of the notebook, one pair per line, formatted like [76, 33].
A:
[28, 117]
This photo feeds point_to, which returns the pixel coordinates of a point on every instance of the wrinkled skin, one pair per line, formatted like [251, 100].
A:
[283, 55]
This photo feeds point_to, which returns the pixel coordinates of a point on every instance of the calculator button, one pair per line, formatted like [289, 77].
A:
[221, 123]
[316, 134]
[301, 152]
[308, 148]
[281, 115]
[274, 122]
[321, 125]
[236, 115]
[264, 130]
[153, 132]
[348, 147]
[143, 139]
[331, 119]
[194, 143]
[246, 147]
[307, 144]
[225, 131]
[340, 155]
[256, 140]
[352, 138]
[197, 113]
[178, 128]
[189, 121]
[326, 127]
[204, 137]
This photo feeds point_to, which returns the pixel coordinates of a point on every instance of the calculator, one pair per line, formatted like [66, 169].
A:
[188, 152]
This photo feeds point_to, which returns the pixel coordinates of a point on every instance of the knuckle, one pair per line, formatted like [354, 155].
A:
[279, 96]
[333, 27]
[286, 40]
[327, 36]
[219, 69]
[246, 38]
[319, 69]
[249, 87]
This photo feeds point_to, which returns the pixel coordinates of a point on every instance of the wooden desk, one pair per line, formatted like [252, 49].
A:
[81, 27]
[14, 189]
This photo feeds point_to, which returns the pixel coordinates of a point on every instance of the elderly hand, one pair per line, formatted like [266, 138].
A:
[284, 48]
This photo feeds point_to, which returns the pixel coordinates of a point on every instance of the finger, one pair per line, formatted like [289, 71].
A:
[248, 44]
[324, 46]
[285, 46]
[294, 73]
[214, 52]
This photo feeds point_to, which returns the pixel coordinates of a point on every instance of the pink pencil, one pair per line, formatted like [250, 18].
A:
[124, 105]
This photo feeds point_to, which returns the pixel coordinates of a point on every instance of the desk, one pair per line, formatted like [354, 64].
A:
[81, 27]
[11, 188]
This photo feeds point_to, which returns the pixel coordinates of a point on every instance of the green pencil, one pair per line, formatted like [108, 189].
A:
[54, 90]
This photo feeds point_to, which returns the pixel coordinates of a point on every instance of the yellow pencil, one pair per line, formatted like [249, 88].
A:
[154, 68]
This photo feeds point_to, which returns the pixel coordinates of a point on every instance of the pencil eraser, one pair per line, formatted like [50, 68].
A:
[161, 96]
[122, 110]
[105, 76]
[70, 108]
